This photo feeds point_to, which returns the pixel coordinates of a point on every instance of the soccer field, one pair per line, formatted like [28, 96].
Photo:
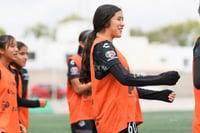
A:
[154, 122]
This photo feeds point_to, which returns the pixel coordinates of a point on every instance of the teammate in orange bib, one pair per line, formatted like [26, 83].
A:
[79, 95]
[196, 84]
[9, 120]
[115, 104]
[21, 77]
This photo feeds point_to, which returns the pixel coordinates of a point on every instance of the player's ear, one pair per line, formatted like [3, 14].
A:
[81, 44]
[1, 51]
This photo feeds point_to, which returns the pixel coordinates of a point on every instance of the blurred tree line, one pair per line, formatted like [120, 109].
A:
[2, 31]
[182, 34]
[41, 30]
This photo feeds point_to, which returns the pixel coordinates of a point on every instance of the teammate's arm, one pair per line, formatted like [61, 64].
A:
[73, 77]
[80, 88]
[196, 65]
[23, 102]
[126, 78]
[106, 60]
[163, 95]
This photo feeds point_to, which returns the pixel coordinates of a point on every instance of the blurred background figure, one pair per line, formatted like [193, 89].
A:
[196, 83]
[21, 77]
[79, 96]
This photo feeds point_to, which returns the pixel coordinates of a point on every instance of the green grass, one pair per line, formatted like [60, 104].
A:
[167, 122]
[154, 122]
[49, 123]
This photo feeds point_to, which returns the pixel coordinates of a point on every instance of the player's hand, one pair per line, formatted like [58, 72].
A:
[172, 96]
[170, 77]
[22, 128]
[43, 102]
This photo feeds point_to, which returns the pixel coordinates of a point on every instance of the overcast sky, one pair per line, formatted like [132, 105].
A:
[17, 15]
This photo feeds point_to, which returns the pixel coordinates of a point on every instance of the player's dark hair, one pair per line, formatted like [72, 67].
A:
[20, 45]
[101, 20]
[199, 9]
[82, 37]
[6, 40]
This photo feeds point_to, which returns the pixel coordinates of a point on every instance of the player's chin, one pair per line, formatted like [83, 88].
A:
[14, 58]
[23, 64]
[118, 35]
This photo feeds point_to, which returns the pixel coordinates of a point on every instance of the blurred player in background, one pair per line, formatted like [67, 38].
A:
[21, 77]
[78, 94]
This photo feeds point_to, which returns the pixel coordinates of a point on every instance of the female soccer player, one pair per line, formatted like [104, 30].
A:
[115, 104]
[78, 94]
[21, 77]
[9, 121]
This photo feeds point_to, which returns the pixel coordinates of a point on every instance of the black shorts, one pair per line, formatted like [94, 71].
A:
[131, 128]
[85, 126]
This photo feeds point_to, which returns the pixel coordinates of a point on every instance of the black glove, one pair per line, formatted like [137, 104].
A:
[169, 78]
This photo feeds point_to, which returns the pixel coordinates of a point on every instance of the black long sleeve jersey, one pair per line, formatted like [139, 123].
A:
[22, 101]
[106, 61]
[196, 64]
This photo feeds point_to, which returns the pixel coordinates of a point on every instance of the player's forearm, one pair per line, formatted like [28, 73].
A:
[154, 95]
[126, 78]
[23, 102]
[81, 88]
[197, 72]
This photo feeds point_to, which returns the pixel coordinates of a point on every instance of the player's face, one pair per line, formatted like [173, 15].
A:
[10, 51]
[22, 56]
[116, 25]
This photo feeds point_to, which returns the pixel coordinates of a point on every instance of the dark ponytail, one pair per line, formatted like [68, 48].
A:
[82, 38]
[85, 76]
